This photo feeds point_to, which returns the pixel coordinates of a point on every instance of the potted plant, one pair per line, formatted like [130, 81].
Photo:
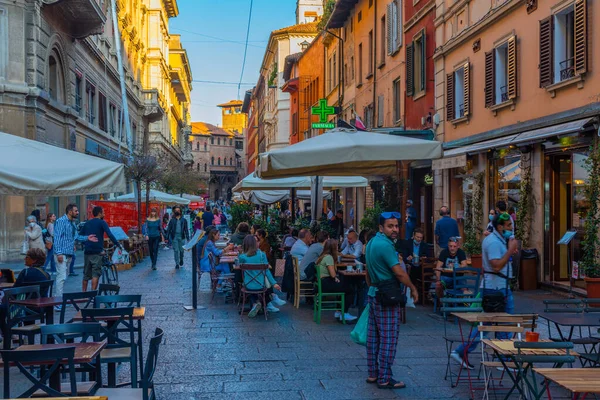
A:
[589, 262]
[473, 221]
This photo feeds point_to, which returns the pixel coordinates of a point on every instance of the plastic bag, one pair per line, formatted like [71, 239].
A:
[120, 256]
[409, 301]
[359, 333]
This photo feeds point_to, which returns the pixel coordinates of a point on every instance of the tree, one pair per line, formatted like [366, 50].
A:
[141, 168]
[177, 179]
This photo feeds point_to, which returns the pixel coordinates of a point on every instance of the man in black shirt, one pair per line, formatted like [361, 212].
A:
[337, 224]
[207, 218]
[450, 258]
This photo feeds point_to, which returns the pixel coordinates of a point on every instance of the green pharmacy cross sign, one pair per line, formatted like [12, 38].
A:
[323, 111]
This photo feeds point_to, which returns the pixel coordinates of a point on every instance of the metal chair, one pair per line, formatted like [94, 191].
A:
[466, 282]
[254, 274]
[216, 277]
[79, 301]
[119, 349]
[302, 288]
[21, 320]
[51, 359]
[320, 304]
[104, 289]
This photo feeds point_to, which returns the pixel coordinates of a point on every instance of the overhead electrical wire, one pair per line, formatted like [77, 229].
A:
[245, 48]
[224, 83]
[218, 39]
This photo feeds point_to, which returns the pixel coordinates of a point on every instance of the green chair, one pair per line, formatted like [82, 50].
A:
[321, 304]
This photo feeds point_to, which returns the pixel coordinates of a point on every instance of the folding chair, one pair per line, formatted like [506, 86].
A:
[51, 359]
[254, 274]
[21, 320]
[320, 304]
[466, 282]
[104, 289]
[79, 301]
[302, 288]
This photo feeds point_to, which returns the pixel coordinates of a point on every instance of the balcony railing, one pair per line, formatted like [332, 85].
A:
[461, 111]
[78, 103]
[153, 102]
[567, 69]
[504, 93]
[82, 17]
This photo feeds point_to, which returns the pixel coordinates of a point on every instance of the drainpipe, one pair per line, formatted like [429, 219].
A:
[341, 85]
[374, 66]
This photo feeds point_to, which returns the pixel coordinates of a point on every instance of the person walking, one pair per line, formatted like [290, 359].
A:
[154, 234]
[445, 228]
[34, 235]
[93, 252]
[65, 235]
[411, 220]
[177, 232]
[384, 321]
[49, 241]
[207, 218]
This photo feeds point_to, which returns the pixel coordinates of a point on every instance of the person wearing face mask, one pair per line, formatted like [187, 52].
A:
[497, 251]
[490, 226]
[34, 234]
[414, 251]
[177, 232]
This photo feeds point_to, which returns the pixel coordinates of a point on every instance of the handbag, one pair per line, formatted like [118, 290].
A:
[279, 267]
[359, 333]
[390, 293]
[494, 301]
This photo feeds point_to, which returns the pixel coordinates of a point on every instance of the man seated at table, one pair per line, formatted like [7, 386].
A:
[300, 248]
[450, 258]
[414, 251]
[354, 247]
[313, 252]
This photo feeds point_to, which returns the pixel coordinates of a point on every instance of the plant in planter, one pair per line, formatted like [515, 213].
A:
[473, 221]
[525, 205]
[590, 261]
[370, 219]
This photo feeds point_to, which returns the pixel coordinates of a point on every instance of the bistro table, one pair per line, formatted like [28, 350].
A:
[6, 285]
[85, 353]
[45, 303]
[572, 321]
[579, 381]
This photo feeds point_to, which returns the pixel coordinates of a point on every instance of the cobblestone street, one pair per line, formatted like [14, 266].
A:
[214, 354]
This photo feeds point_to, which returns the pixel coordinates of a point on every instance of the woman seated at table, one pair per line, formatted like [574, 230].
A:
[263, 243]
[34, 261]
[210, 248]
[330, 282]
[252, 255]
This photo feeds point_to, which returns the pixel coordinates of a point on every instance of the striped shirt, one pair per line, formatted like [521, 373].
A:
[65, 235]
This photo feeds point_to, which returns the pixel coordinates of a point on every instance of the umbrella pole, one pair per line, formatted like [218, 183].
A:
[293, 205]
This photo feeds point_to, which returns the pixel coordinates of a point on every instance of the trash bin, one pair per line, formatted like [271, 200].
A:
[528, 271]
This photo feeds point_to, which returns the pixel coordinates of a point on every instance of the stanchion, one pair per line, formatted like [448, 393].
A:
[192, 245]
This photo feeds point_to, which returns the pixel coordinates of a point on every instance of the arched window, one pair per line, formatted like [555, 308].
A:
[198, 167]
[231, 162]
[212, 161]
[56, 82]
[205, 146]
[219, 161]
[218, 141]
[205, 166]
[197, 146]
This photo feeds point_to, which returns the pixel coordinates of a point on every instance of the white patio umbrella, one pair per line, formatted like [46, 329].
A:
[254, 182]
[155, 195]
[266, 197]
[32, 168]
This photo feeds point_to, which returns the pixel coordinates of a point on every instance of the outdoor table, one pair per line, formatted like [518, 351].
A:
[571, 320]
[45, 303]
[359, 282]
[85, 353]
[228, 259]
[6, 285]
[344, 264]
[579, 381]
[139, 313]
[221, 244]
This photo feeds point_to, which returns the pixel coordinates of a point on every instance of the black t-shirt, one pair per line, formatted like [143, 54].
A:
[446, 258]
[207, 219]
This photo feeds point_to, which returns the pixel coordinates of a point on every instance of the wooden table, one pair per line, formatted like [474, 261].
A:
[228, 259]
[85, 353]
[6, 285]
[357, 274]
[345, 264]
[473, 317]
[139, 313]
[45, 303]
[576, 380]
[572, 321]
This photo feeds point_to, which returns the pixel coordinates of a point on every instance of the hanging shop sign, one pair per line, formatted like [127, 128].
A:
[324, 111]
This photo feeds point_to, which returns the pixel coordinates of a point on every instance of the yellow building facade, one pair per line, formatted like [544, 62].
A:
[232, 117]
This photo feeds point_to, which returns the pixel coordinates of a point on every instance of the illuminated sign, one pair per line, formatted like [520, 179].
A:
[324, 112]
[428, 180]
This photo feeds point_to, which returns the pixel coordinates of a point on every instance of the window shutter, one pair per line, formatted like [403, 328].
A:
[546, 33]
[399, 33]
[410, 76]
[512, 68]
[390, 22]
[423, 82]
[380, 111]
[467, 91]
[580, 37]
[490, 85]
[449, 97]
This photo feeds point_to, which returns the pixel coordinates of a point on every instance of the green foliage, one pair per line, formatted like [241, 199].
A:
[273, 75]
[240, 212]
[473, 217]
[591, 242]
[370, 219]
[327, 10]
[525, 206]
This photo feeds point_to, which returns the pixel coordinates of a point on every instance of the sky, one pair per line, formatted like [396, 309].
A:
[220, 56]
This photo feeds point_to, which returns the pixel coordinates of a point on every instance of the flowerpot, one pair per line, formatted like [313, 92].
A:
[476, 261]
[593, 289]
[532, 336]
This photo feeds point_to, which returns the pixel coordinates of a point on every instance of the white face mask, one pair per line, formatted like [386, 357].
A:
[32, 224]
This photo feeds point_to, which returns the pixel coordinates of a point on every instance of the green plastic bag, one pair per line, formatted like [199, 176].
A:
[359, 333]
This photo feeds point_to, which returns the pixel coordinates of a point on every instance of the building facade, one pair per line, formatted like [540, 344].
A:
[517, 98]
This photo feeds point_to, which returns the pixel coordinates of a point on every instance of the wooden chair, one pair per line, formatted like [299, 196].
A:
[254, 274]
[302, 288]
[52, 359]
[78, 300]
[427, 279]
[21, 320]
[322, 304]
[216, 277]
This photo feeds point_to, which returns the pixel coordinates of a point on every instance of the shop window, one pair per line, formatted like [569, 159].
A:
[506, 178]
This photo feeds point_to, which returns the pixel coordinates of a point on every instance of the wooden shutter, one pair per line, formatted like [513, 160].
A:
[546, 34]
[390, 21]
[467, 89]
[580, 37]
[512, 68]
[399, 33]
[410, 66]
[490, 84]
[422, 84]
[450, 97]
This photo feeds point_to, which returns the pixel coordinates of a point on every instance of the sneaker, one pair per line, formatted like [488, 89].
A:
[277, 301]
[271, 308]
[57, 308]
[348, 317]
[181, 263]
[456, 357]
[73, 274]
[338, 314]
[154, 267]
[255, 309]
[176, 266]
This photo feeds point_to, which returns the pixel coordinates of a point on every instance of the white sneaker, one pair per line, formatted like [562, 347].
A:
[338, 314]
[277, 301]
[271, 308]
[456, 357]
[255, 309]
[348, 317]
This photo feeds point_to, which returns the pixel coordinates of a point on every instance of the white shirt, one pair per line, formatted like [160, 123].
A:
[353, 249]
[299, 249]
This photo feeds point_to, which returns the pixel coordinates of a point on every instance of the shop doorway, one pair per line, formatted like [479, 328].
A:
[421, 193]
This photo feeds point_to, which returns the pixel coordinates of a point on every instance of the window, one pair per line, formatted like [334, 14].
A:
[371, 55]
[360, 75]
[219, 161]
[102, 117]
[78, 93]
[120, 124]
[212, 140]
[239, 145]
[90, 104]
[346, 77]
[368, 114]
[501, 73]
[359, 18]
[218, 141]
[329, 83]
[415, 66]
[212, 161]
[205, 145]
[370, 3]
[397, 99]
[352, 68]
[133, 133]
[112, 119]
[394, 27]
[334, 70]
[198, 167]
[458, 93]
[238, 110]
[563, 44]
[205, 167]
[231, 161]
[55, 78]
[380, 110]
[383, 41]
[197, 146]
[231, 142]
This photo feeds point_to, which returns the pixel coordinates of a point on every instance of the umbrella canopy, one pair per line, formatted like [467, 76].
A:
[156, 195]
[344, 152]
[252, 182]
[32, 168]
[266, 197]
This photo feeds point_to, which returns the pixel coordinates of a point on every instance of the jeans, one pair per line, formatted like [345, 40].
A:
[61, 273]
[510, 308]
[50, 260]
[153, 243]
[72, 265]
[177, 250]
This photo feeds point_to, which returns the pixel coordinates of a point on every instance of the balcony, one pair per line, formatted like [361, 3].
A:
[567, 69]
[503, 93]
[82, 18]
[154, 105]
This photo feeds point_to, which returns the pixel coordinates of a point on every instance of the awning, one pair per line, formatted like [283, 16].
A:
[253, 182]
[32, 168]
[266, 197]
[156, 195]
[527, 137]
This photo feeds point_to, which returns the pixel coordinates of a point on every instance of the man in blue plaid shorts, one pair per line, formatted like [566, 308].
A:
[382, 336]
